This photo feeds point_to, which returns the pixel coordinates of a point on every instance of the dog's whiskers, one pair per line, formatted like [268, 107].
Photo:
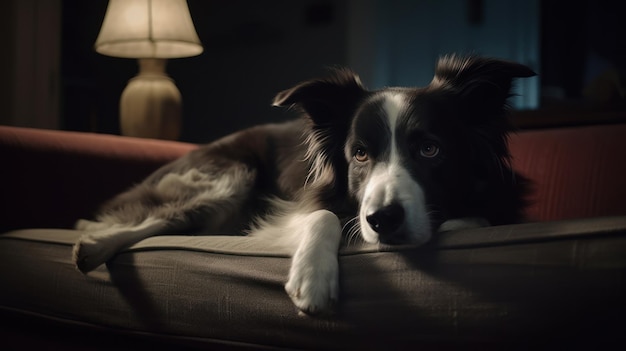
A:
[352, 230]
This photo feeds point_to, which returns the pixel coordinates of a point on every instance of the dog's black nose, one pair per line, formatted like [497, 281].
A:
[386, 220]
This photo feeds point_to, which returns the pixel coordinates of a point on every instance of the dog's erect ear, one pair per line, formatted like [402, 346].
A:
[482, 86]
[327, 101]
[484, 83]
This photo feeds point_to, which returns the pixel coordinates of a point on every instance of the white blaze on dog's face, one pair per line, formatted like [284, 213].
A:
[392, 202]
[416, 157]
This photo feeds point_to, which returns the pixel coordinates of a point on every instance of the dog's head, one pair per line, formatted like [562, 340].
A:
[413, 157]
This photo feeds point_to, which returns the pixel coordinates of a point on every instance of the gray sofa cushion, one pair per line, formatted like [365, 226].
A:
[529, 283]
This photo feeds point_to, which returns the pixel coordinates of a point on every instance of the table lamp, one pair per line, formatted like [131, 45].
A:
[151, 31]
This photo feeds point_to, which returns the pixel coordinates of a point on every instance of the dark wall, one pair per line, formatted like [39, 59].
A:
[252, 50]
[580, 41]
[256, 48]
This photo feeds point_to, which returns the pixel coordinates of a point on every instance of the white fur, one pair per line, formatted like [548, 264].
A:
[103, 242]
[390, 182]
[312, 239]
[313, 283]
[219, 197]
[310, 234]
[220, 194]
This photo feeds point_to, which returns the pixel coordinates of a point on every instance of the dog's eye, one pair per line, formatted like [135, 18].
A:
[361, 155]
[429, 149]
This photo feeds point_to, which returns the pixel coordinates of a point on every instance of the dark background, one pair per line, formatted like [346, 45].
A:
[255, 48]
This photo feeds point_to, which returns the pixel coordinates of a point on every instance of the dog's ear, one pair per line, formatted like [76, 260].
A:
[481, 87]
[484, 84]
[327, 101]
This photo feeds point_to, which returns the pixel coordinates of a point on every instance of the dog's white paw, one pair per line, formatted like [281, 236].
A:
[90, 252]
[98, 247]
[314, 288]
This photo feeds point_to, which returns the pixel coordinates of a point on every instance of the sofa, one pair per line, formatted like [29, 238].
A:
[557, 280]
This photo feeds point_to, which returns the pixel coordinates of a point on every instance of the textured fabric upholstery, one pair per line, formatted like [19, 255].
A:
[498, 285]
[555, 282]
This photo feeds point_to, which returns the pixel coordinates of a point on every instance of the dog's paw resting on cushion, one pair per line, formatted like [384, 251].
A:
[394, 161]
[313, 238]
[103, 240]
[313, 284]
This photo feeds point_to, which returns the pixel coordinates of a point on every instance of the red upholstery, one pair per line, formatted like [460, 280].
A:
[51, 178]
[578, 172]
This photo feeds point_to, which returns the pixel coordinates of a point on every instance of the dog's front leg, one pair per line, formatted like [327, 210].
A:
[313, 283]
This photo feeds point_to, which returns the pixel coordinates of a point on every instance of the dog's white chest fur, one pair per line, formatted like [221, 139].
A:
[369, 155]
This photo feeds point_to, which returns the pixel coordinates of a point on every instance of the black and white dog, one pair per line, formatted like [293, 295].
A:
[393, 165]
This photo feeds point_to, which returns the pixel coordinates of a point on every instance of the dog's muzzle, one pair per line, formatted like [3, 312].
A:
[387, 221]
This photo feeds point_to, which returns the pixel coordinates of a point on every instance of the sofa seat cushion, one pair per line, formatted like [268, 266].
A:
[536, 282]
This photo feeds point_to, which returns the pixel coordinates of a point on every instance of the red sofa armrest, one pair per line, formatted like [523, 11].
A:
[52, 178]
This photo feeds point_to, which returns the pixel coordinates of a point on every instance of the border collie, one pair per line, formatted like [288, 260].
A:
[394, 165]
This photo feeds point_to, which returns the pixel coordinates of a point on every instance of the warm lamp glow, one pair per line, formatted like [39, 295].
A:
[152, 31]
[148, 29]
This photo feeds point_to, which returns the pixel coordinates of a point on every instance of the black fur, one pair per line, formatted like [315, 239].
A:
[391, 165]
[312, 161]
[464, 109]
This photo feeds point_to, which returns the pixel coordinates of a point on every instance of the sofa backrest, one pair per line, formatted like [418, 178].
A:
[52, 178]
[578, 172]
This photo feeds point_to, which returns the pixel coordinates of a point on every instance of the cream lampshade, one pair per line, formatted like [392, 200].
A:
[151, 31]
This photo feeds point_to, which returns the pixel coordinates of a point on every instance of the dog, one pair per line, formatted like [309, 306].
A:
[390, 166]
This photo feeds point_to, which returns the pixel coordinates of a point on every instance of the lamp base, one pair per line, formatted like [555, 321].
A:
[151, 104]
